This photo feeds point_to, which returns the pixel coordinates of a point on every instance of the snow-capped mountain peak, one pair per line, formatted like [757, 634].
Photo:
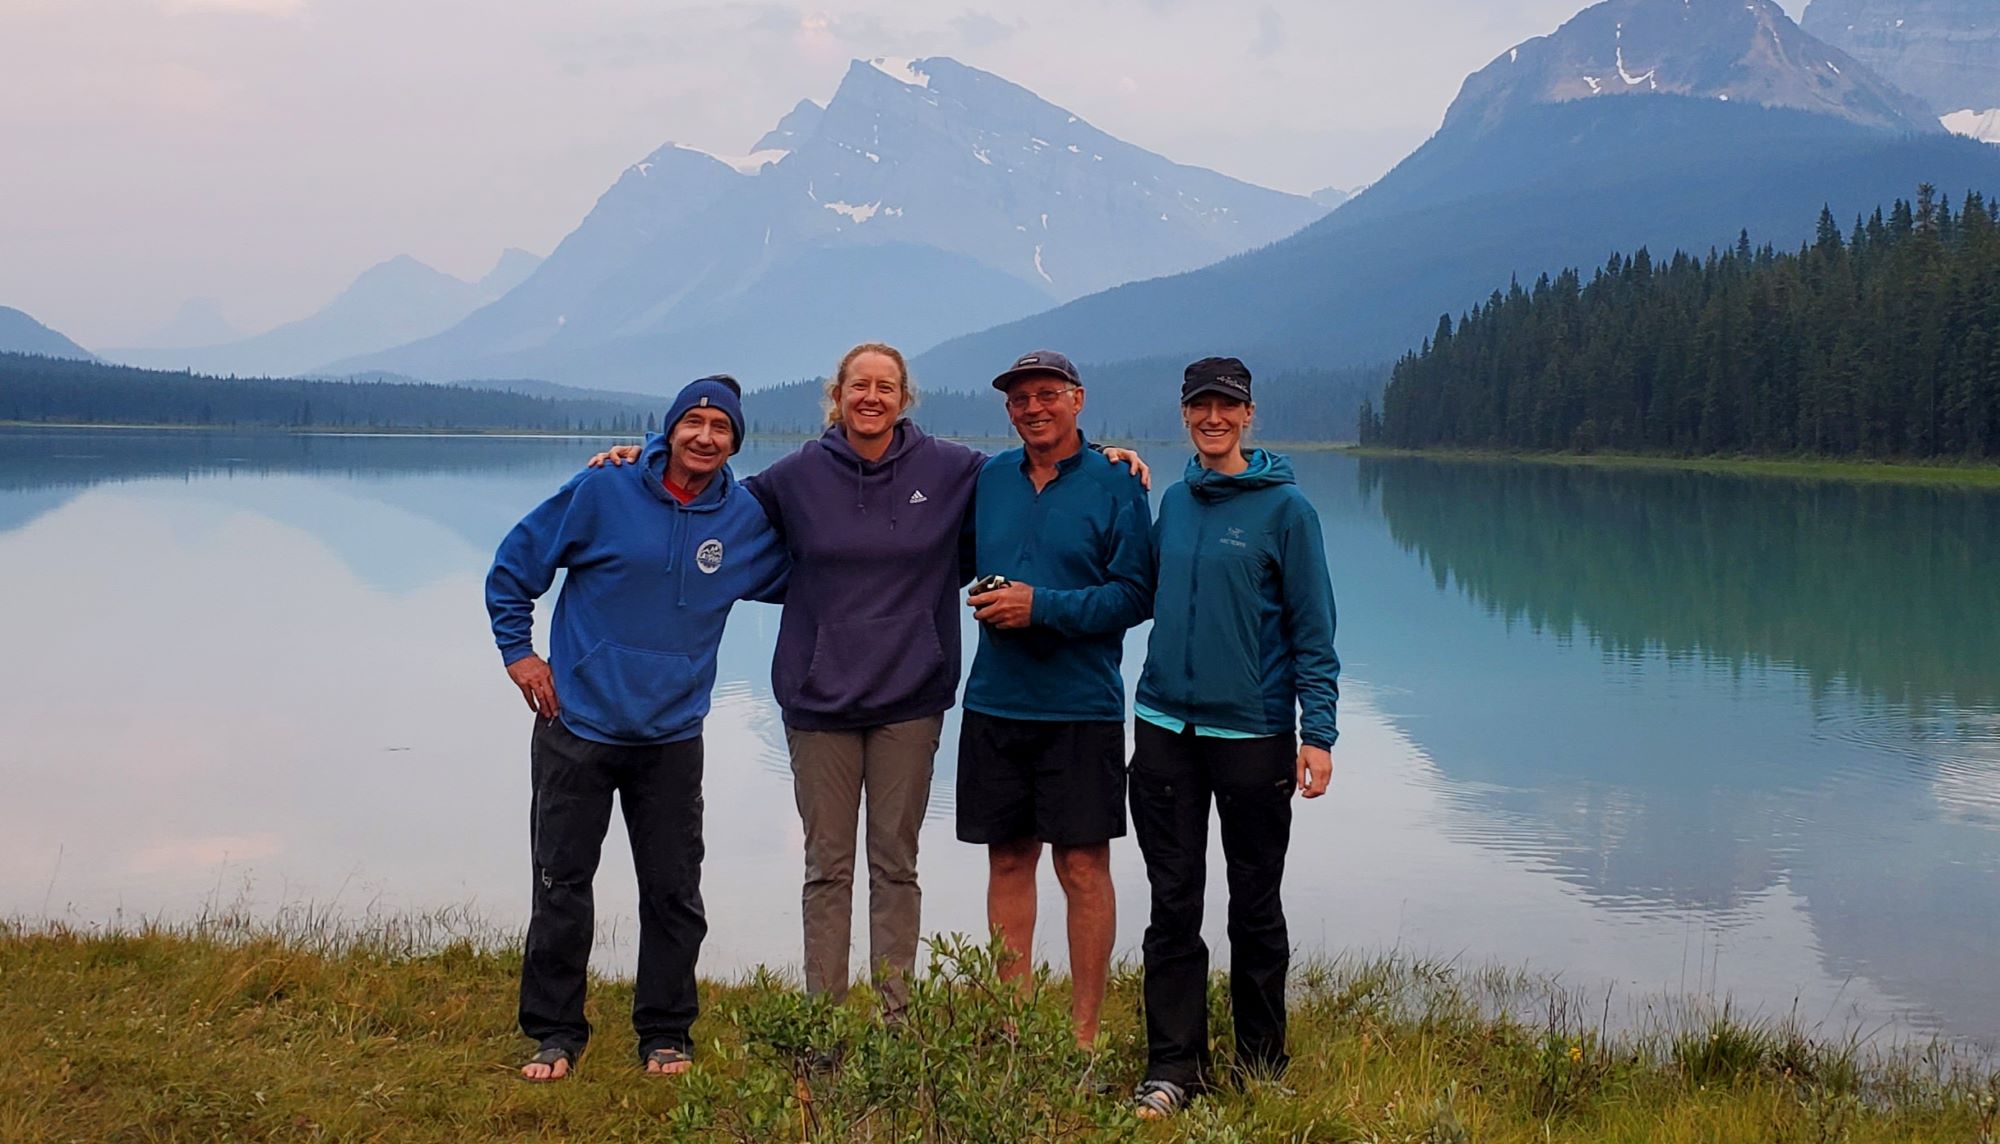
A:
[1743, 51]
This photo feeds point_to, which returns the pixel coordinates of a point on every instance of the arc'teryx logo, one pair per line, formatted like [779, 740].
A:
[1234, 538]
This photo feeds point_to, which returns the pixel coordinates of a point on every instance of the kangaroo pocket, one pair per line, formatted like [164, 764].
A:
[872, 664]
[631, 693]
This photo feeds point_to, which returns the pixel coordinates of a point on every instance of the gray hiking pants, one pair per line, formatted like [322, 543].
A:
[831, 771]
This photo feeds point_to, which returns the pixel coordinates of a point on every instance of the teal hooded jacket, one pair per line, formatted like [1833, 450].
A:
[1243, 615]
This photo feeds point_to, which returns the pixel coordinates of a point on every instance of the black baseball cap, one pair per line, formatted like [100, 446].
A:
[1227, 376]
[1040, 361]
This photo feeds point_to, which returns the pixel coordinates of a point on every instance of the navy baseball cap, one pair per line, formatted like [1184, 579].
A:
[1227, 376]
[1038, 362]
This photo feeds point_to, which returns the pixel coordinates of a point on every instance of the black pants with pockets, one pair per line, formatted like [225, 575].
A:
[659, 789]
[1251, 782]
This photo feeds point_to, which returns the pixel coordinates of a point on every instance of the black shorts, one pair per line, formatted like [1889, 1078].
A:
[1061, 782]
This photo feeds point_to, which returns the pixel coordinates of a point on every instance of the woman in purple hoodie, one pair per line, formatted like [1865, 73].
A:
[867, 661]
[875, 515]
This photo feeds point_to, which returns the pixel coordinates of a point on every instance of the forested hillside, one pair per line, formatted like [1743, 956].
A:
[1881, 343]
[60, 390]
[1134, 400]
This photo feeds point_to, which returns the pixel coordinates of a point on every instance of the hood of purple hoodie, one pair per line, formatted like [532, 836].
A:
[904, 439]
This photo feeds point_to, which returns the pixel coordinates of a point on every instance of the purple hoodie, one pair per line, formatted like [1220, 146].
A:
[870, 628]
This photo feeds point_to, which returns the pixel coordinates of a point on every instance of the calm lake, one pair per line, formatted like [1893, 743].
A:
[1656, 732]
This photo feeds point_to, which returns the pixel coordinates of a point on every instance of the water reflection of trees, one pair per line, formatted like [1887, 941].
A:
[1885, 588]
[1876, 819]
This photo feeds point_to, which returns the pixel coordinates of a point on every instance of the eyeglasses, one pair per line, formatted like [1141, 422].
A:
[1043, 397]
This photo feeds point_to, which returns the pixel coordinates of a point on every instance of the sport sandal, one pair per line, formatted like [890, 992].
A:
[551, 1056]
[1158, 1099]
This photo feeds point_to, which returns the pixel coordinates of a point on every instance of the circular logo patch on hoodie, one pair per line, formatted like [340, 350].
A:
[708, 557]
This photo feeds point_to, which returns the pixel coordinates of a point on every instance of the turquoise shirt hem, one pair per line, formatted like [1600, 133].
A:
[1168, 722]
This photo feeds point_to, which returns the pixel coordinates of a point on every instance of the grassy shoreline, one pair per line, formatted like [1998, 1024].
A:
[405, 1032]
[1809, 468]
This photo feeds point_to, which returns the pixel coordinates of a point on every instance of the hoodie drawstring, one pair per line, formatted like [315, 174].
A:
[892, 494]
[676, 539]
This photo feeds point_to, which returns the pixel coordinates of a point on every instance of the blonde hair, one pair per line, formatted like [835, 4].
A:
[839, 378]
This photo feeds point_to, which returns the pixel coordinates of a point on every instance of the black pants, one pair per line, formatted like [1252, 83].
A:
[1251, 782]
[659, 789]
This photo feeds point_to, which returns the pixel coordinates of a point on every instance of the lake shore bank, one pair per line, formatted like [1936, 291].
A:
[303, 1031]
[1904, 472]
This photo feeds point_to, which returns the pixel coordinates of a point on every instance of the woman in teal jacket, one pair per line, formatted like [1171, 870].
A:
[1235, 705]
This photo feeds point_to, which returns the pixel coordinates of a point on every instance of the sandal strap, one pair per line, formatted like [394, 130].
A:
[1162, 1096]
[550, 1054]
[669, 1055]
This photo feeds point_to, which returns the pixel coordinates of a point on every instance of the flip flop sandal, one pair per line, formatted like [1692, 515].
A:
[549, 1055]
[666, 1057]
[1158, 1099]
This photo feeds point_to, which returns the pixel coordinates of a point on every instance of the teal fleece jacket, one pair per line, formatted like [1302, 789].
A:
[1084, 543]
[1243, 615]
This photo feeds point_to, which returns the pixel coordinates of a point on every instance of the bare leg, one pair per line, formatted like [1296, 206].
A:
[1085, 873]
[1010, 904]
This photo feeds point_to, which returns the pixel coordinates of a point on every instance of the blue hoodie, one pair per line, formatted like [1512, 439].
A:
[870, 629]
[1243, 615]
[651, 581]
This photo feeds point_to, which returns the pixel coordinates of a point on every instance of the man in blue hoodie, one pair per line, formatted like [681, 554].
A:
[1041, 747]
[657, 554]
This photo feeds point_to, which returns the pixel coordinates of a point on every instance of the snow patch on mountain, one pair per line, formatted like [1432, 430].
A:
[751, 164]
[901, 70]
[859, 213]
[1980, 125]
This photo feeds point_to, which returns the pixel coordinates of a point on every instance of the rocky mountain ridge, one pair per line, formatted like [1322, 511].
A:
[924, 199]
[1746, 51]
[1947, 52]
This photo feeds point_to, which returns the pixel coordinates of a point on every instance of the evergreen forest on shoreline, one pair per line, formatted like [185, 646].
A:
[1880, 344]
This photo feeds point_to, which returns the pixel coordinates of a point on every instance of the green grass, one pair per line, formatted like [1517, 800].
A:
[303, 1031]
[1806, 468]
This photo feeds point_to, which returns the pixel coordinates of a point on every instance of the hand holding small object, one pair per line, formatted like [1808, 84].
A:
[1007, 606]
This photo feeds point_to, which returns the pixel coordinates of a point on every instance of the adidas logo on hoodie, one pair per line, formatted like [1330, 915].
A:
[918, 497]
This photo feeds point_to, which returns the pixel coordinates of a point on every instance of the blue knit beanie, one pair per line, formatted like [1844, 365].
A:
[717, 392]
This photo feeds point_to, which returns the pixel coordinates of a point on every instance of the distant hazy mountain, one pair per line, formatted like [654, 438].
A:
[1945, 51]
[390, 303]
[199, 322]
[1331, 197]
[21, 334]
[1534, 172]
[925, 199]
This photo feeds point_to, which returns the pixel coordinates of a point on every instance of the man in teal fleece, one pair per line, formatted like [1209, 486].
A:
[657, 554]
[1042, 742]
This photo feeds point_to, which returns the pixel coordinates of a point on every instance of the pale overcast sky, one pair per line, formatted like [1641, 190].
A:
[263, 152]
